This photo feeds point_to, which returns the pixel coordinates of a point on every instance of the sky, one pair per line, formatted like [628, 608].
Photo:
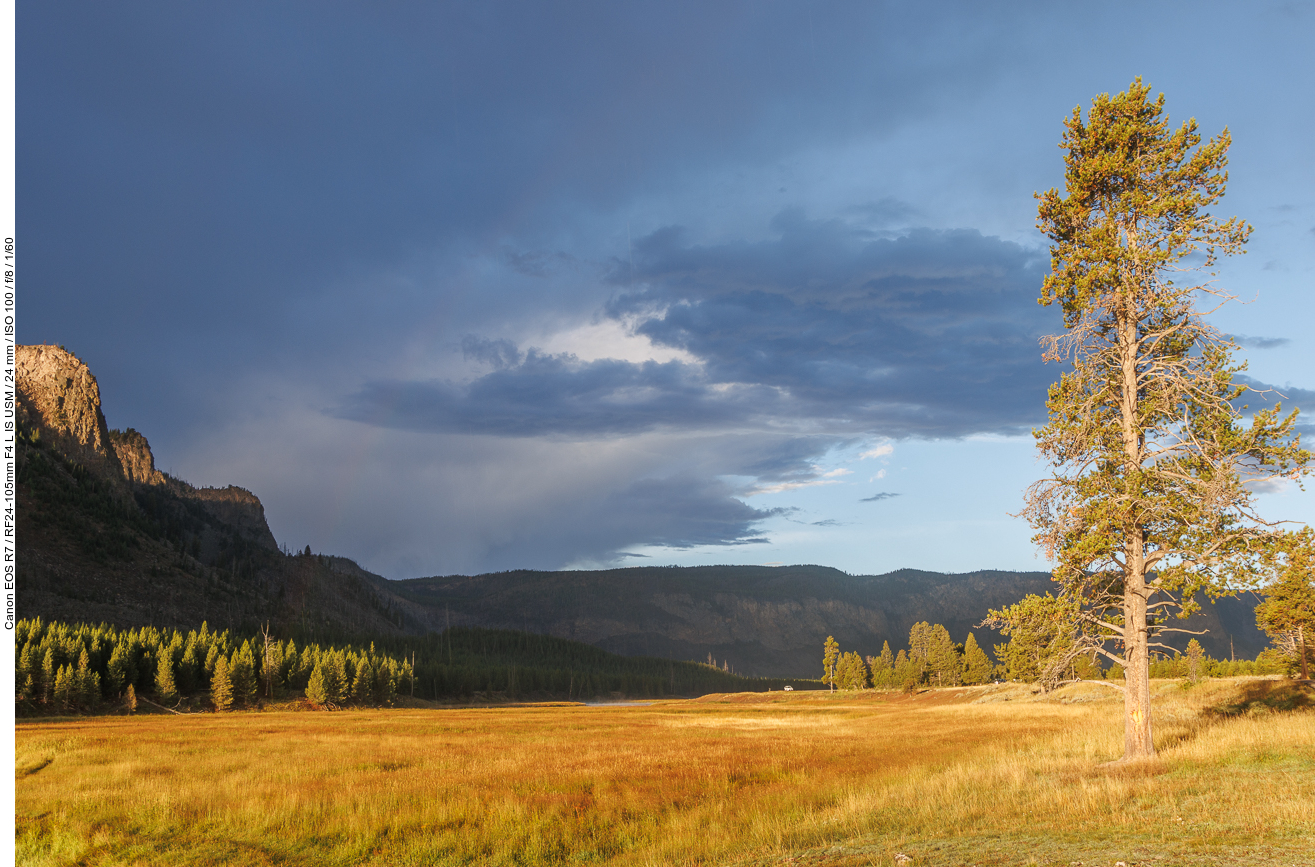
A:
[467, 287]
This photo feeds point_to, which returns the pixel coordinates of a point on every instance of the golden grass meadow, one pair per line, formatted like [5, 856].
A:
[976, 775]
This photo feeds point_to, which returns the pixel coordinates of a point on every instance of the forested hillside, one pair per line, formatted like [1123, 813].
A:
[765, 620]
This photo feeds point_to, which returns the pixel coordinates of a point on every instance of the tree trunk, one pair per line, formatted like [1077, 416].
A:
[1137, 740]
[1301, 639]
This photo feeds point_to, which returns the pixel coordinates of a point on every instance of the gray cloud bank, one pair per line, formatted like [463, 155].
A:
[824, 335]
[825, 328]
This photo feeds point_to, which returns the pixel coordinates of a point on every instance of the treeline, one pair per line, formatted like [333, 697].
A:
[78, 668]
[72, 668]
[934, 659]
[467, 662]
[1196, 664]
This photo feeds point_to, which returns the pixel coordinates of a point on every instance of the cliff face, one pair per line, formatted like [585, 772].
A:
[58, 397]
[134, 454]
[104, 535]
[237, 507]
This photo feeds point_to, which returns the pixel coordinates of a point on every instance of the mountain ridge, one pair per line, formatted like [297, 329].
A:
[761, 619]
[104, 535]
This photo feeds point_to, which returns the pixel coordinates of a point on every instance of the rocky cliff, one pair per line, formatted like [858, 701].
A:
[237, 507]
[60, 400]
[104, 535]
[134, 454]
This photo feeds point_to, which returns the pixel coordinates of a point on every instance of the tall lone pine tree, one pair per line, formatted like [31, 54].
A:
[1147, 501]
[830, 655]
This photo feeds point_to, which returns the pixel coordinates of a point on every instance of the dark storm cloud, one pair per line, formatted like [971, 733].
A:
[234, 159]
[557, 394]
[500, 354]
[677, 512]
[930, 334]
[428, 504]
[683, 513]
[773, 458]
[238, 188]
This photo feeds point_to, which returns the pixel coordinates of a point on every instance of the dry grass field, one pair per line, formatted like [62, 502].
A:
[983, 775]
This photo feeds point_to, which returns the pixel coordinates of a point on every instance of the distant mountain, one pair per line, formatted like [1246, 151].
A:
[105, 536]
[764, 620]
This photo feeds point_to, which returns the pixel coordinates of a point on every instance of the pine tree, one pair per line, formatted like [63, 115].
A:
[385, 682]
[271, 668]
[1194, 655]
[22, 670]
[305, 665]
[406, 677]
[186, 678]
[29, 671]
[851, 672]
[47, 675]
[363, 682]
[907, 673]
[883, 667]
[1044, 638]
[943, 660]
[977, 667]
[317, 690]
[221, 686]
[919, 646]
[64, 688]
[166, 690]
[1087, 668]
[86, 683]
[1151, 496]
[242, 673]
[116, 677]
[335, 676]
[130, 698]
[830, 654]
[289, 671]
[1288, 612]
